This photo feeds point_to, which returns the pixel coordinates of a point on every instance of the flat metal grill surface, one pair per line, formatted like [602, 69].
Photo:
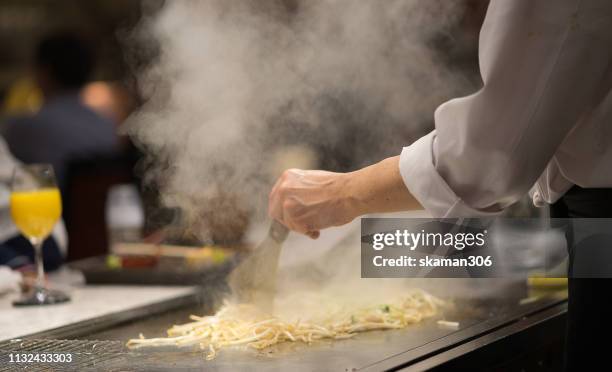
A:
[85, 355]
[92, 355]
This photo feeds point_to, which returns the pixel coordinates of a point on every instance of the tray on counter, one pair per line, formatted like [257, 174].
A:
[167, 271]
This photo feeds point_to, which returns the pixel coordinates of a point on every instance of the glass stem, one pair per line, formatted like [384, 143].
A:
[38, 261]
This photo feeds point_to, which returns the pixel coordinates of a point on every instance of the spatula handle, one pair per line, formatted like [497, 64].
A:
[278, 231]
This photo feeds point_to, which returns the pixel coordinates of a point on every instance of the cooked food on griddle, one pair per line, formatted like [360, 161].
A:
[244, 325]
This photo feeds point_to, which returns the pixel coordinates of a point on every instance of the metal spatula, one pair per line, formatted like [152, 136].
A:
[254, 279]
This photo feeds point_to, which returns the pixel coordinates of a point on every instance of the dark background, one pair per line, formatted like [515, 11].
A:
[107, 25]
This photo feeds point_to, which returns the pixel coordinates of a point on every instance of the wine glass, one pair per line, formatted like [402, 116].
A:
[36, 207]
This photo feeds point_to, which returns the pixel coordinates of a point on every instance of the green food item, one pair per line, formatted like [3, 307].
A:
[386, 308]
[218, 256]
[113, 261]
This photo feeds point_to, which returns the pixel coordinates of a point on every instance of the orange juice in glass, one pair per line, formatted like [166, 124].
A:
[36, 206]
[36, 212]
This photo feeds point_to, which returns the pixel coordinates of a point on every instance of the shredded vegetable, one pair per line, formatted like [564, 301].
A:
[244, 325]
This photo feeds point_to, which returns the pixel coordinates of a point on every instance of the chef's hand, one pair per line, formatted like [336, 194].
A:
[307, 201]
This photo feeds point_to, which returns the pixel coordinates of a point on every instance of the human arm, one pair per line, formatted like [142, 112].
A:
[542, 67]
[310, 200]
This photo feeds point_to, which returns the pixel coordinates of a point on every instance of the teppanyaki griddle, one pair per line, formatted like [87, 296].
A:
[368, 351]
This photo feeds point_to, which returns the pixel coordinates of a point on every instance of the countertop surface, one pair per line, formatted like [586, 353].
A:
[87, 302]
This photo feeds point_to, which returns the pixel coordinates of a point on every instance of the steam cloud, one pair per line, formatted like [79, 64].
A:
[234, 81]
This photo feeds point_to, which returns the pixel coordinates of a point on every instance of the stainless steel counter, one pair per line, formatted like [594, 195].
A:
[378, 350]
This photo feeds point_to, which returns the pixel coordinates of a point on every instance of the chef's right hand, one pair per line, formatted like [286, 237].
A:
[307, 201]
[310, 200]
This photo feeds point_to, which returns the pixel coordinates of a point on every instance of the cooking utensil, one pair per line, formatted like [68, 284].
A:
[254, 279]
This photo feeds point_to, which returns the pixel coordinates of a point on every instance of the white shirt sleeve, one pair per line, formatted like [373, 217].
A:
[542, 66]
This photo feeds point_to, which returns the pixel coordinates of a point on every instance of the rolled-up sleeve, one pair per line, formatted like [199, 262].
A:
[425, 183]
[542, 67]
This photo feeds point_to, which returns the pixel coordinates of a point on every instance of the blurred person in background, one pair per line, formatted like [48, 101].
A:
[64, 129]
[16, 251]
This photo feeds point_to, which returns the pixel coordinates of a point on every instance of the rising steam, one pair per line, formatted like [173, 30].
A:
[235, 81]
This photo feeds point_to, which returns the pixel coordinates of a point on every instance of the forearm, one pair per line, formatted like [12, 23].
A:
[379, 188]
[307, 201]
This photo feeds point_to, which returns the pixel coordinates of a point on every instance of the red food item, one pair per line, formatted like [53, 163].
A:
[138, 261]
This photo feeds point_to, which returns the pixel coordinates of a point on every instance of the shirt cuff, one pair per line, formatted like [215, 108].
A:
[417, 168]
[551, 185]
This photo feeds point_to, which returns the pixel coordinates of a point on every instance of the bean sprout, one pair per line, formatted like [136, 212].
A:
[244, 324]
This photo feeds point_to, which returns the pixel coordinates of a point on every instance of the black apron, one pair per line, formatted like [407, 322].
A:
[589, 320]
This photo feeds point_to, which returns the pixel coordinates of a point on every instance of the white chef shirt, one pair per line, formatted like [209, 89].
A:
[541, 121]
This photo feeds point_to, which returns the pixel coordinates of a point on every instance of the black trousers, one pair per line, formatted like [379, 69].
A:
[589, 321]
[17, 252]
